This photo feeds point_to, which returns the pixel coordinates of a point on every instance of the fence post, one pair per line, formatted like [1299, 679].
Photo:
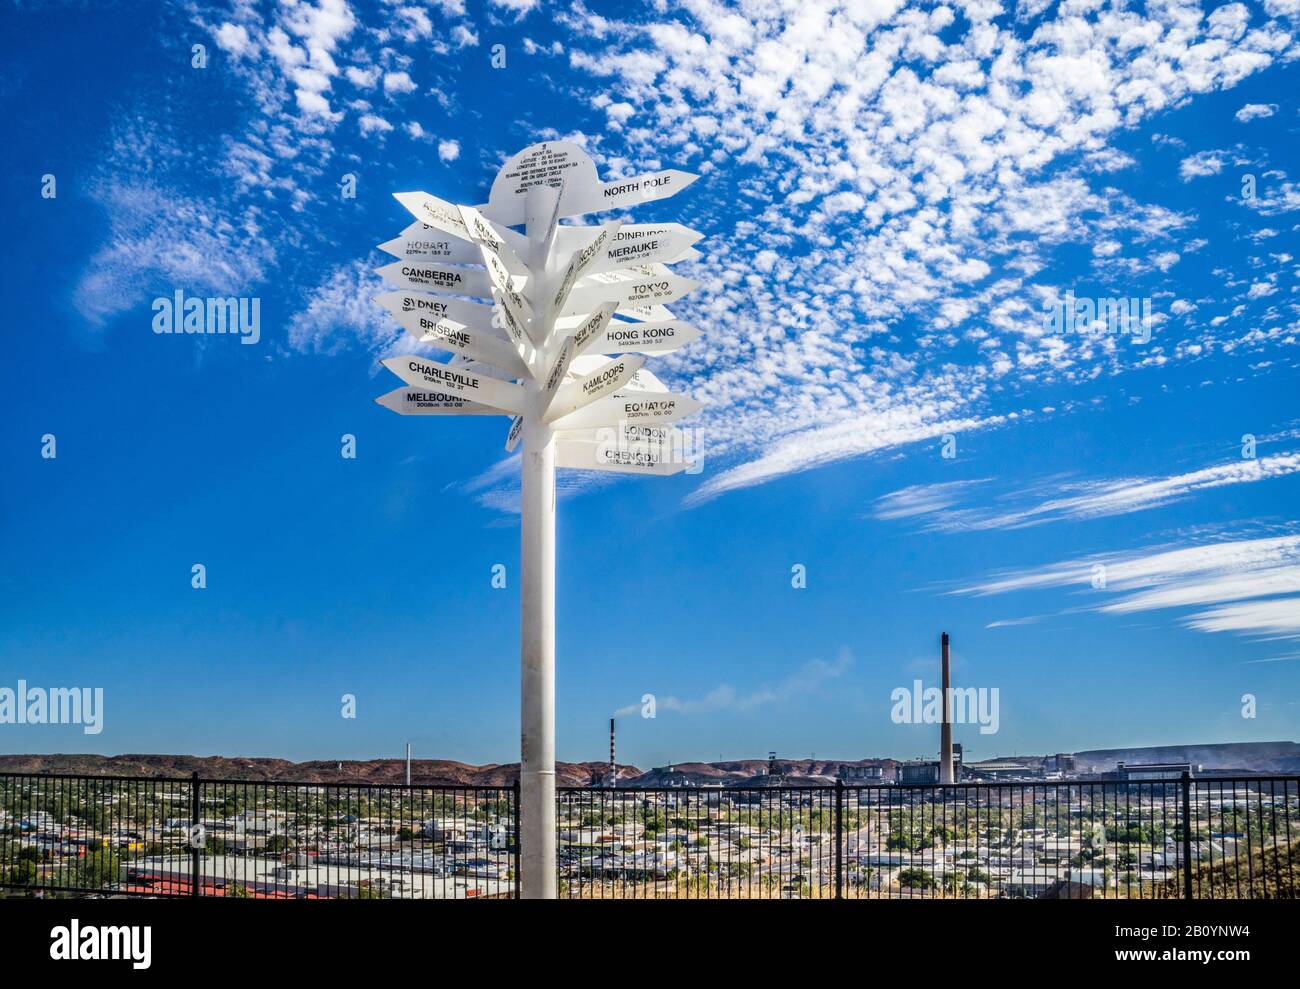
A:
[1187, 835]
[194, 833]
[514, 836]
[839, 839]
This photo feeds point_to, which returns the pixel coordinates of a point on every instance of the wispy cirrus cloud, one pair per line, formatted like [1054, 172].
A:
[341, 309]
[1250, 586]
[201, 248]
[923, 499]
[1044, 503]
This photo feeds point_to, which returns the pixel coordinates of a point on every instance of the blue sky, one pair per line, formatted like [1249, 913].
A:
[891, 197]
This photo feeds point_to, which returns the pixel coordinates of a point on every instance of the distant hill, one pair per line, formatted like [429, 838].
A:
[1250, 757]
[429, 771]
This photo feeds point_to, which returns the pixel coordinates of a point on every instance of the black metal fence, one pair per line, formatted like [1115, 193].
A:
[196, 837]
[1189, 838]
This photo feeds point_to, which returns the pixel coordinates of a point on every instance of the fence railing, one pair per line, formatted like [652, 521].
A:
[1233, 837]
[197, 837]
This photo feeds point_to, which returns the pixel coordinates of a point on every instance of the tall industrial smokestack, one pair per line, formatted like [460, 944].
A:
[408, 763]
[613, 768]
[945, 730]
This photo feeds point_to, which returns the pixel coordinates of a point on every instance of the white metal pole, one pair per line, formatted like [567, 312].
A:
[537, 601]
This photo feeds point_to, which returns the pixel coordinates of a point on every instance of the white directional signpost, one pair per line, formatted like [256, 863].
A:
[556, 343]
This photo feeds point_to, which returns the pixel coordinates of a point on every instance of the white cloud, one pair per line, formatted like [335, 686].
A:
[922, 499]
[363, 77]
[883, 185]
[340, 310]
[855, 435]
[314, 104]
[1251, 586]
[875, 288]
[398, 82]
[1201, 164]
[1256, 111]
[201, 249]
[1078, 501]
[234, 39]
[519, 7]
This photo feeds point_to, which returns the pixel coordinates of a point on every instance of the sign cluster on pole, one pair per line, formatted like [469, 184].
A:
[557, 339]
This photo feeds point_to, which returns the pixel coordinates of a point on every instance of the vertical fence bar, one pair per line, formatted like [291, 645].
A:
[195, 851]
[839, 839]
[514, 837]
[1187, 835]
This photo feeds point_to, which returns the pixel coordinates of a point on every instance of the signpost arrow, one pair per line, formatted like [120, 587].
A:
[435, 277]
[437, 213]
[482, 367]
[659, 337]
[488, 237]
[646, 314]
[516, 430]
[570, 238]
[604, 381]
[636, 458]
[421, 242]
[630, 407]
[475, 315]
[516, 326]
[516, 311]
[474, 385]
[418, 402]
[627, 433]
[558, 370]
[448, 334]
[583, 329]
[644, 244]
[628, 287]
[581, 259]
[629, 192]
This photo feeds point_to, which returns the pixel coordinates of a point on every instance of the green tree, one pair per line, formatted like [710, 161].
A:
[99, 866]
[916, 879]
